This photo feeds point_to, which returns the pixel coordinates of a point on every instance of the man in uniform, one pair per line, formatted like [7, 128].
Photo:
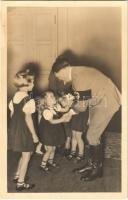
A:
[103, 101]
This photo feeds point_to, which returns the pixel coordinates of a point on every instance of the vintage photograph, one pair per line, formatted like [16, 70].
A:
[64, 89]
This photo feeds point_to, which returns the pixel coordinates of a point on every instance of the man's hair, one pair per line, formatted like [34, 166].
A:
[60, 63]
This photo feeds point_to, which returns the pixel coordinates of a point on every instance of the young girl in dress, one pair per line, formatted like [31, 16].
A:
[21, 130]
[66, 101]
[51, 130]
[78, 125]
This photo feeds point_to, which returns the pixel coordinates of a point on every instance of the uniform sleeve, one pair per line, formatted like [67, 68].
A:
[47, 114]
[11, 108]
[29, 107]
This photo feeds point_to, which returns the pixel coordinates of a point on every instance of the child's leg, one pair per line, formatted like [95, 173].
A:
[74, 141]
[68, 132]
[67, 146]
[46, 157]
[73, 145]
[19, 166]
[16, 175]
[21, 185]
[51, 158]
[67, 143]
[24, 165]
[80, 144]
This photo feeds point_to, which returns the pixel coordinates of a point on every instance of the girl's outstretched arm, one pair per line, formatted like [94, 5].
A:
[55, 121]
[48, 115]
[65, 118]
[66, 109]
[59, 108]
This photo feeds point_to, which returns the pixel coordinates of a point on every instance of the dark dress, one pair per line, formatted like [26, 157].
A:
[67, 128]
[19, 135]
[79, 121]
[51, 134]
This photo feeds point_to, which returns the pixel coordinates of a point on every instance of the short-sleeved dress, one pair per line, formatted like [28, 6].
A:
[51, 134]
[79, 121]
[20, 137]
[67, 128]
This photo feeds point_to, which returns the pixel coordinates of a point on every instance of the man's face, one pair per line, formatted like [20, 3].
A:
[63, 75]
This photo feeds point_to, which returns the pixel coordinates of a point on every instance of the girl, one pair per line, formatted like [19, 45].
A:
[66, 102]
[22, 132]
[77, 126]
[51, 130]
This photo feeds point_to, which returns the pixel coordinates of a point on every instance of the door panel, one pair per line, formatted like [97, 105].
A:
[32, 36]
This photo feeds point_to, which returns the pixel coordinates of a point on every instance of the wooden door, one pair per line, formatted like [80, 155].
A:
[31, 36]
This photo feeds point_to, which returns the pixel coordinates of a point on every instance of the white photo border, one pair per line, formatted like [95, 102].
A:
[3, 101]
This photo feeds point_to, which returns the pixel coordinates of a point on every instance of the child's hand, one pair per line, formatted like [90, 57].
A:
[35, 139]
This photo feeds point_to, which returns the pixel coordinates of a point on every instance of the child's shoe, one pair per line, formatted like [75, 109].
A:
[71, 155]
[53, 164]
[79, 158]
[16, 177]
[24, 186]
[66, 152]
[39, 152]
[44, 167]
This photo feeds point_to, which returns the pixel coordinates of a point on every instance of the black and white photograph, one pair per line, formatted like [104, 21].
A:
[64, 99]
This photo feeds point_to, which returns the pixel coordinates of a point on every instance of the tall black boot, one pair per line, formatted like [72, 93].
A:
[87, 161]
[95, 166]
